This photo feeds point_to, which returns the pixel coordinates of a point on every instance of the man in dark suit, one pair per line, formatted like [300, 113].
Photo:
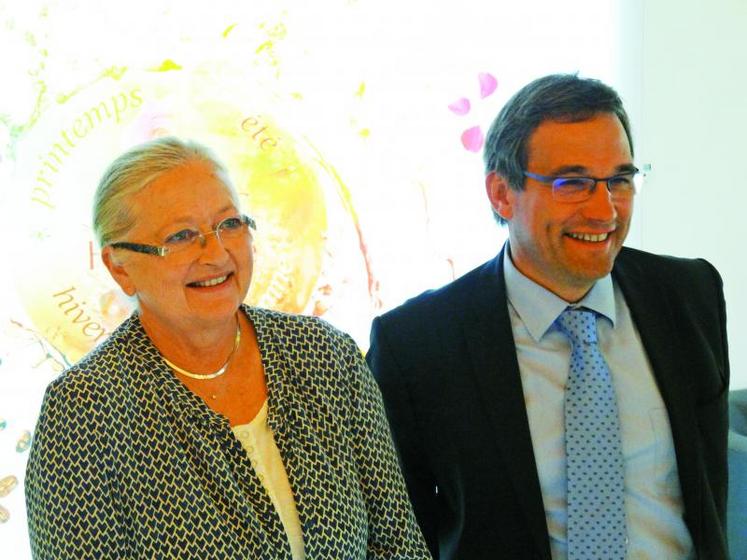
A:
[481, 378]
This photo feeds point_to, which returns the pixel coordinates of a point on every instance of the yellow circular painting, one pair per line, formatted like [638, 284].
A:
[310, 249]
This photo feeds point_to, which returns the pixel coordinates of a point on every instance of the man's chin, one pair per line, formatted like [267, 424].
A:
[587, 275]
[590, 268]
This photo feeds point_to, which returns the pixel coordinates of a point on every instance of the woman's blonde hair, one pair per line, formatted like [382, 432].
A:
[136, 169]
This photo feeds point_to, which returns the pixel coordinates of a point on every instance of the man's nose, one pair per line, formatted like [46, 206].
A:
[600, 206]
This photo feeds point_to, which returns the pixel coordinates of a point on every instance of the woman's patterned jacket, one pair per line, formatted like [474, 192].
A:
[128, 463]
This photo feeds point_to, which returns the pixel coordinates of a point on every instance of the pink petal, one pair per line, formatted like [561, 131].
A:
[472, 139]
[488, 83]
[460, 106]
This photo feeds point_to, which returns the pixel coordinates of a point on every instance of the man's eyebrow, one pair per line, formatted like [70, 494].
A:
[567, 169]
[581, 170]
[626, 168]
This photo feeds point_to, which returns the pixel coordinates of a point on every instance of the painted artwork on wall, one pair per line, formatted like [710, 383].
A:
[352, 130]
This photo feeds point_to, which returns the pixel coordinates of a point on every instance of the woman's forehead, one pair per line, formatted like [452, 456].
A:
[191, 191]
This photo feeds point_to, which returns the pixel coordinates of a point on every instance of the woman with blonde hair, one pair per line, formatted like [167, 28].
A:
[202, 427]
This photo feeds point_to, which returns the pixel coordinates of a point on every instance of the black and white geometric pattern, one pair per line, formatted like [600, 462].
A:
[128, 463]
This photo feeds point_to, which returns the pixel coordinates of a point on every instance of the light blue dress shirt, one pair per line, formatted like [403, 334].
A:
[653, 498]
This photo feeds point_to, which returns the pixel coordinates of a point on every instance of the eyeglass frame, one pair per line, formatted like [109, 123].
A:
[552, 180]
[163, 250]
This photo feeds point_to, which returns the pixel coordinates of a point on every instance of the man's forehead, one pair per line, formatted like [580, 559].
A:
[599, 140]
[576, 119]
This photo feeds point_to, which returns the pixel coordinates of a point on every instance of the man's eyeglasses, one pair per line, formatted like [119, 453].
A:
[186, 244]
[577, 189]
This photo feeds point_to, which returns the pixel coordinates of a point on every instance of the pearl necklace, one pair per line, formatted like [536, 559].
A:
[205, 376]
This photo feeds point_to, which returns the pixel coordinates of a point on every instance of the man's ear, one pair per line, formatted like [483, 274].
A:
[500, 194]
[118, 270]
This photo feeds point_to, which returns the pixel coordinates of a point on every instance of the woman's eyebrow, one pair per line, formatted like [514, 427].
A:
[187, 219]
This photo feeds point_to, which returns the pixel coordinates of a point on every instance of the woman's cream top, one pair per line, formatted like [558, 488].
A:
[257, 439]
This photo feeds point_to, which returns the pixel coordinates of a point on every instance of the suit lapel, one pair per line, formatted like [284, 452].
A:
[652, 313]
[487, 330]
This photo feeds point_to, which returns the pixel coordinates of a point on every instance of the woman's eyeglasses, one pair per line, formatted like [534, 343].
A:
[188, 243]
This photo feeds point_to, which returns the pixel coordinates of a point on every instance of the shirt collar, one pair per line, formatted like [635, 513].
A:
[538, 307]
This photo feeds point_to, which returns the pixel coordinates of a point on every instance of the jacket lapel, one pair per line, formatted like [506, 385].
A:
[225, 476]
[487, 330]
[296, 442]
[652, 313]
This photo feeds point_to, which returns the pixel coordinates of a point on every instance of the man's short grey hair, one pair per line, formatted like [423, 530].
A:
[557, 97]
[136, 169]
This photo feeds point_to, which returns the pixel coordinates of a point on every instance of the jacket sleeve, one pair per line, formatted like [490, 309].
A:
[393, 533]
[397, 400]
[712, 415]
[71, 512]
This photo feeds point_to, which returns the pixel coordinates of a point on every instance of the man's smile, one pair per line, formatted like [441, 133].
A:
[592, 237]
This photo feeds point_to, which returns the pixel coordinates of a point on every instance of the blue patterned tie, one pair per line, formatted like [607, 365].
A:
[594, 460]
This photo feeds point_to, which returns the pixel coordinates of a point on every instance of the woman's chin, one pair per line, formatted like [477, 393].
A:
[214, 301]
[216, 314]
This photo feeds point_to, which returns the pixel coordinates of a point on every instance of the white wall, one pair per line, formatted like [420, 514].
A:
[693, 131]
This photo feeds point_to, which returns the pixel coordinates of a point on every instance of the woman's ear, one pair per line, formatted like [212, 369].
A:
[500, 194]
[118, 269]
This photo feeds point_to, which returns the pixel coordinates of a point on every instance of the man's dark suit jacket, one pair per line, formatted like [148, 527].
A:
[446, 364]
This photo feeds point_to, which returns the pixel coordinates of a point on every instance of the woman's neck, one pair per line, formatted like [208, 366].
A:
[198, 347]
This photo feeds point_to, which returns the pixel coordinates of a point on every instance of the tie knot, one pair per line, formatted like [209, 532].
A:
[579, 325]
